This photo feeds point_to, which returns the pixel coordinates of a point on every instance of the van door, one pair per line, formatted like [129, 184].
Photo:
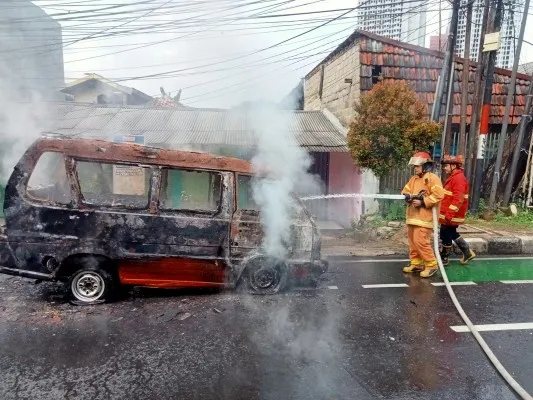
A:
[195, 208]
[113, 207]
[190, 232]
[38, 203]
[246, 228]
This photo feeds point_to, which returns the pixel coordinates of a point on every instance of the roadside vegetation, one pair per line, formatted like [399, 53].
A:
[390, 123]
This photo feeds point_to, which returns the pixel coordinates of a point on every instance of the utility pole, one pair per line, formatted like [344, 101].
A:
[466, 75]
[524, 122]
[485, 113]
[440, 24]
[447, 63]
[447, 130]
[476, 104]
[508, 103]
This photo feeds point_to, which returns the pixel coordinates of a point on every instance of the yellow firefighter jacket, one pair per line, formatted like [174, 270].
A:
[422, 216]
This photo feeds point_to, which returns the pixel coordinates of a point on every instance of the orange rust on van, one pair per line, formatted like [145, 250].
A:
[129, 152]
[172, 273]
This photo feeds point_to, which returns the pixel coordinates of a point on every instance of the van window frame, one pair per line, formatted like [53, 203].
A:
[82, 204]
[237, 202]
[163, 182]
[34, 200]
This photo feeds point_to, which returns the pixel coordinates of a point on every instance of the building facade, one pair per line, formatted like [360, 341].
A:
[438, 43]
[95, 89]
[526, 68]
[399, 20]
[511, 20]
[365, 59]
[31, 53]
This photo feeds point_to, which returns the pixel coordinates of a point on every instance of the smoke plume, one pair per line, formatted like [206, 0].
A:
[22, 120]
[282, 168]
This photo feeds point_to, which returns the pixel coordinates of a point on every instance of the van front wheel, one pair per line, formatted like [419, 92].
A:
[89, 286]
[266, 276]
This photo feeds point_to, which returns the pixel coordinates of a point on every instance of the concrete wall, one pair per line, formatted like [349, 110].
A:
[370, 185]
[89, 94]
[31, 53]
[337, 95]
[344, 177]
[339, 98]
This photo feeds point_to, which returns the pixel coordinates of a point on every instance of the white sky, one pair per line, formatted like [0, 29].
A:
[219, 61]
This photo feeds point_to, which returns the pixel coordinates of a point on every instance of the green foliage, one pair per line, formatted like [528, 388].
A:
[395, 211]
[390, 124]
[524, 219]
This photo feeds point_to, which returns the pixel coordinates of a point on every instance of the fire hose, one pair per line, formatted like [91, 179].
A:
[488, 352]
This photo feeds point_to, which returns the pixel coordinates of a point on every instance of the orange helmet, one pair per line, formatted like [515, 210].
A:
[457, 160]
[420, 158]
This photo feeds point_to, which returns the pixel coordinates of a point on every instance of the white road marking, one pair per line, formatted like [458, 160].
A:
[333, 287]
[517, 282]
[454, 283]
[385, 285]
[494, 327]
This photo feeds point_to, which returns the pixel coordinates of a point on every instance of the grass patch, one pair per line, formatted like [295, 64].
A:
[523, 220]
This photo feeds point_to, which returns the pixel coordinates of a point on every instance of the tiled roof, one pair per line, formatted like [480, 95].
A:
[174, 127]
[421, 67]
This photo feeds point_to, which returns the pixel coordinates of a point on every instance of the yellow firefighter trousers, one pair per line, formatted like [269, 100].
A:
[420, 251]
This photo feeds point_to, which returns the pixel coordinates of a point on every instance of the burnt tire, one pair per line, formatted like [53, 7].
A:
[266, 276]
[91, 285]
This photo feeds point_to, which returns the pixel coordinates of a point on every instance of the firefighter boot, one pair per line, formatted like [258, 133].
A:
[445, 254]
[468, 254]
[413, 268]
[428, 272]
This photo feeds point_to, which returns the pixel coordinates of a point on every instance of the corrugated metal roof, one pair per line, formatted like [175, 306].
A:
[311, 129]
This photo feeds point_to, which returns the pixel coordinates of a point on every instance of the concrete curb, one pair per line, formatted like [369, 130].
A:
[504, 245]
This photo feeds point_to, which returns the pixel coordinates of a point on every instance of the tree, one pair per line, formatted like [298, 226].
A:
[390, 124]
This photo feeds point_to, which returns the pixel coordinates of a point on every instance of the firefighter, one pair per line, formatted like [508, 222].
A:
[453, 209]
[423, 192]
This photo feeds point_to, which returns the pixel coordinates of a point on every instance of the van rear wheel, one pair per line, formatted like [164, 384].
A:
[90, 285]
[266, 276]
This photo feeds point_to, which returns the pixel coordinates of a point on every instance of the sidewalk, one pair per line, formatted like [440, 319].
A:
[343, 243]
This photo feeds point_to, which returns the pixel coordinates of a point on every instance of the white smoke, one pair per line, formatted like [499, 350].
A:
[22, 123]
[282, 168]
[31, 74]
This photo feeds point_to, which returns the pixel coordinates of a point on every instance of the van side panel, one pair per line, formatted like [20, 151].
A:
[173, 273]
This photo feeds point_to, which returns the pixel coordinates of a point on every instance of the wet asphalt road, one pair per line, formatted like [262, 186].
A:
[340, 341]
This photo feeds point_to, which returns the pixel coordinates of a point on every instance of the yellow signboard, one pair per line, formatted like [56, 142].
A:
[492, 42]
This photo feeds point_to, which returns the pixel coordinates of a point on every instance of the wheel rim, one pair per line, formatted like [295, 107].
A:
[266, 277]
[88, 286]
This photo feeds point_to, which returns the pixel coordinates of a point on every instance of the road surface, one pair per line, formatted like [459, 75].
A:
[367, 332]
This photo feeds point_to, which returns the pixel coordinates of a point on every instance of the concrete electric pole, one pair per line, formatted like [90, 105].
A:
[466, 74]
[503, 136]
[492, 47]
[444, 81]
[476, 106]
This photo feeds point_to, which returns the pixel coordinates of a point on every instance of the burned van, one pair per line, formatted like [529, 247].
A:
[99, 215]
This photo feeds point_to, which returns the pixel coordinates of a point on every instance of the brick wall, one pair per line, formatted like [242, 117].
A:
[337, 95]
